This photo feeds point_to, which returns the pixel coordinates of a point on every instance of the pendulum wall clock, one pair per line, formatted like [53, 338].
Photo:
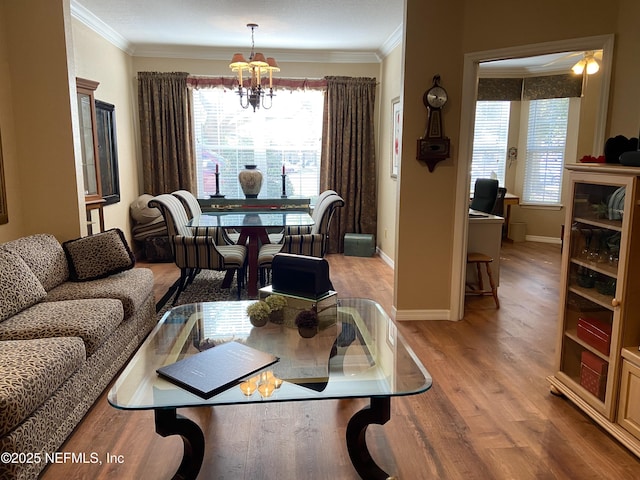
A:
[434, 147]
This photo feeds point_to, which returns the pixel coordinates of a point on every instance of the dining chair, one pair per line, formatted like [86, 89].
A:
[191, 252]
[312, 244]
[485, 194]
[193, 209]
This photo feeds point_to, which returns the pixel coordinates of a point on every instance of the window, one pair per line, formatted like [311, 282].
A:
[490, 140]
[229, 137]
[546, 140]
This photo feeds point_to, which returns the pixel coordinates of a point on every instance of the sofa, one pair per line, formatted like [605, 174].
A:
[71, 315]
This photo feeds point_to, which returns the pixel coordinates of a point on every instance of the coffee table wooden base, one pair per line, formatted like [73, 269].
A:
[169, 422]
[378, 412]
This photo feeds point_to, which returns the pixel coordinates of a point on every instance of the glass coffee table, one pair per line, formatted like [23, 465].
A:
[360, 356]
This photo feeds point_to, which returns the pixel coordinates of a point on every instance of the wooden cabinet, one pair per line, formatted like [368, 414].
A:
[600, 292]
[629, 409]
[90, 155]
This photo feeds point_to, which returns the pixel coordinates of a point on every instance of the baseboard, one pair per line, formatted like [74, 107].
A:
[385, 258]
[411, 315]
[540, 239]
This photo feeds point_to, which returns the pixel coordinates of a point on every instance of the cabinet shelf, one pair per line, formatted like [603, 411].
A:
[573, 335]
[601, 223]
[603, 268]
[593, 295]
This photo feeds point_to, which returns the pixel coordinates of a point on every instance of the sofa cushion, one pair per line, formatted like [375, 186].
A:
[19, 287]
[44, 256]
[132, 288]
[98, 256]
[92, 320]
[30, 371]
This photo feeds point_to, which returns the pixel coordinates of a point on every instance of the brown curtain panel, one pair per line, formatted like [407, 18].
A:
[165, 129]
[348, 156]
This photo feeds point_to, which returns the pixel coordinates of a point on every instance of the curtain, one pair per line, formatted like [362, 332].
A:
[348, 156]
[165, 132]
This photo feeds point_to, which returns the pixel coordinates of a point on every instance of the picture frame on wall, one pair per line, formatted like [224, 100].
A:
[396, 136]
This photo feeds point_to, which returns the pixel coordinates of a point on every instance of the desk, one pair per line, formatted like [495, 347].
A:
[362, 355]
[484, 236]
[253, 233]
[509, 199]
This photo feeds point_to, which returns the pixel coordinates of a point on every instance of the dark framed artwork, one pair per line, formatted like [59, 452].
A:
[107, 151]
[4, 213]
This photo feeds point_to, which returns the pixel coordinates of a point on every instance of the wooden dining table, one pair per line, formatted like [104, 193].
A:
[253, 227]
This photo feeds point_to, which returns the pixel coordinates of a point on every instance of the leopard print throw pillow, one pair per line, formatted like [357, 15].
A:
[98, 256]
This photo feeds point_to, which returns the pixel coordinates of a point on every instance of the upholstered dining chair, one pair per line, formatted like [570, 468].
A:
[196, 252]
[193, 209]
[485, 194]
[312, 244]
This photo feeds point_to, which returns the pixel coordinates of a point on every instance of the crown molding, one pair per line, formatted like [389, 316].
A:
[392, 42]
[94, 23]
[198, 52]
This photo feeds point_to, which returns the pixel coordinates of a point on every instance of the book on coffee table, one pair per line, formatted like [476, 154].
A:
[210, 372]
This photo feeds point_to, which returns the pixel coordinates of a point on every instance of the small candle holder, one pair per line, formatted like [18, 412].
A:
[217, 194]
[284, 186]
[248, 387]
[266, 389]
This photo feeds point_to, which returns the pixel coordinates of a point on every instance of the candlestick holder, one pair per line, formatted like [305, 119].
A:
[217, 194]
[284, 186]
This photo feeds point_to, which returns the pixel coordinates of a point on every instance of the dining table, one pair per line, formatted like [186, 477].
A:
[253, 228]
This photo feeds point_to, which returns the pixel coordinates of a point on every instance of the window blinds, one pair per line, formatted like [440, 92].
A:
[546, 140]
[228, 137]
[490, 141]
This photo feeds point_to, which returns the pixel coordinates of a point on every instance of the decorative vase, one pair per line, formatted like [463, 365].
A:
[250, 181]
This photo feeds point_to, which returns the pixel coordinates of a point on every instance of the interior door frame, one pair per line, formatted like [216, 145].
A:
[467, 121]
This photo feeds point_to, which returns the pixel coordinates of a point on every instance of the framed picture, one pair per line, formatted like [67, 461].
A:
[396, 136]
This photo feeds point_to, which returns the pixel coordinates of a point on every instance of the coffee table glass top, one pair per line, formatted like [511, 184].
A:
[361, 355]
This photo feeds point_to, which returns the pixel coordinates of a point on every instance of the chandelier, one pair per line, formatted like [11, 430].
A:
[256, 67]
[588, 63]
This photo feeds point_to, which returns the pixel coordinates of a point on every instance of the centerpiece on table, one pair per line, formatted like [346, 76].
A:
[250, 181]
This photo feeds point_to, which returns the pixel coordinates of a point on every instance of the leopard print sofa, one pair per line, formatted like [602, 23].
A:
[70, 316]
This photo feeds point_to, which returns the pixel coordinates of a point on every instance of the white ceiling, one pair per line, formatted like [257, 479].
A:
[366, 29]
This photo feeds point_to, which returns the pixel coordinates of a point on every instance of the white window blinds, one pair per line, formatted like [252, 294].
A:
[546, 140]
[228, 137]
[490, 141]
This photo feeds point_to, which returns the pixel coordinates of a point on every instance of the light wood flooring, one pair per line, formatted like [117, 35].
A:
[489, 414]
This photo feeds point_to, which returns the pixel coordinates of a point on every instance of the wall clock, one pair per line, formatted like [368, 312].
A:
[434, 147]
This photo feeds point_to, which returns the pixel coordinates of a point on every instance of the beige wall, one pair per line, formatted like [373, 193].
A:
[99, 60]
[426, 201]
[390, 88]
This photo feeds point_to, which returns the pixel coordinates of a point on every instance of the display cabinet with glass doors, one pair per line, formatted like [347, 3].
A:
[600, 291]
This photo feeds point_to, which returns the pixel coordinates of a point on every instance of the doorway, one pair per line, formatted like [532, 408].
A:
[472, 63]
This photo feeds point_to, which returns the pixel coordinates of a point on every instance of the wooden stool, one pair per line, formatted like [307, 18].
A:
[478, 259]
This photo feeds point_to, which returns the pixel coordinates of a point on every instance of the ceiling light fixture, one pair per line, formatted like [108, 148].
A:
[588, 63]
[256, 67]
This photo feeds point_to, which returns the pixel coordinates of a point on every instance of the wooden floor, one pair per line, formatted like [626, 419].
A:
[489, 414]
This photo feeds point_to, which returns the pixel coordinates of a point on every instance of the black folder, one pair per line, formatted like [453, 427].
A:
[210, 372]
